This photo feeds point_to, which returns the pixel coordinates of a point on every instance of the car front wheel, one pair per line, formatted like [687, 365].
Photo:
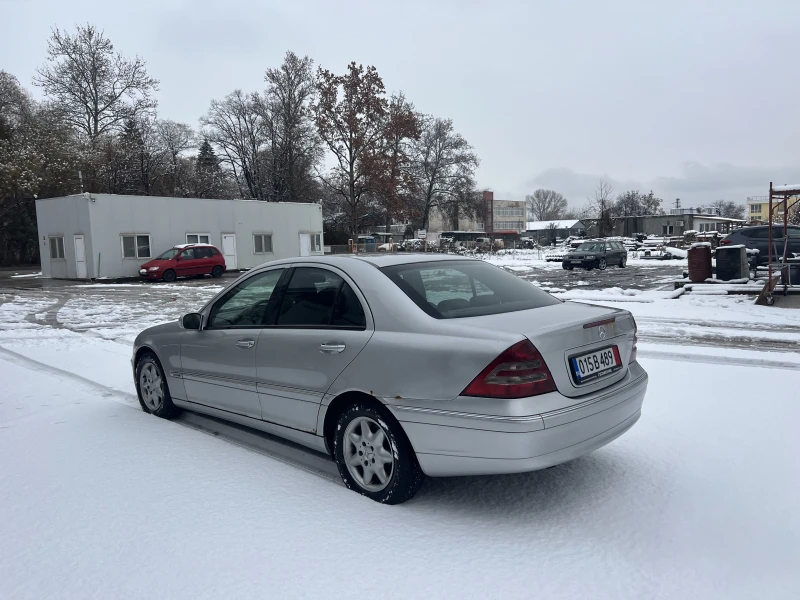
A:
[168, 276]
[373, 455]
[602, 264]
[152, 389]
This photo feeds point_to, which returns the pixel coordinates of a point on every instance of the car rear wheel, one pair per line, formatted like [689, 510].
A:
[622, 262]
[373, 455]
[602, 264]
[217, 271]
[168, 276]
[152, 389]
[568, 267]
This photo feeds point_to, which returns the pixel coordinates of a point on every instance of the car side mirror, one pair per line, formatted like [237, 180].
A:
[192, 321]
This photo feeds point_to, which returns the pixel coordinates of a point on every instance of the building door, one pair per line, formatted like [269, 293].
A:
[80, 257]
[305, 244]
[229, 250]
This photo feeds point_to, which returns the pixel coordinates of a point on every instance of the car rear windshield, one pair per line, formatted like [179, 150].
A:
[591, 247]
[453, 289]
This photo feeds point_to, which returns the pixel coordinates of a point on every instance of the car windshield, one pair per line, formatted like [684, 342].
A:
[452, 289]
[591, 247]
[168, 254]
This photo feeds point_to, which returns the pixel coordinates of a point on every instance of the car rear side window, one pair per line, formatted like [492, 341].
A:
[309, 298]
[794, 232]
[453, 289]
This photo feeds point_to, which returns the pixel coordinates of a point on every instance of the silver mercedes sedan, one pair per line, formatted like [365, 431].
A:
[400, 367]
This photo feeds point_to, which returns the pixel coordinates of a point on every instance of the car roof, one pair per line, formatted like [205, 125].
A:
[377, 260]
[194, 246]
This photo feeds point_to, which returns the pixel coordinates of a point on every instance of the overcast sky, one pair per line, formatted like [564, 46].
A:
[695, 99]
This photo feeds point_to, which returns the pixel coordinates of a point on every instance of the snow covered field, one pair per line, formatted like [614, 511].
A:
[99, 500]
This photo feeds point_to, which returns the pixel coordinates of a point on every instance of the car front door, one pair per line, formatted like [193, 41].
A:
[321, 326]
[185, 263]
[218, 362]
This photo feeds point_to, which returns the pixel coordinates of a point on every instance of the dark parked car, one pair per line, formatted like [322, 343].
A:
[757, 238]
[596, 254]
[185, 260]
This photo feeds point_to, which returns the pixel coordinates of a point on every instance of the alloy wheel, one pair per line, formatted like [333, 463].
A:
[151, 385]
[368, 454]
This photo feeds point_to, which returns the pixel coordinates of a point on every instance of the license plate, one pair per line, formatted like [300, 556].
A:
[576, 262]
[594, 365]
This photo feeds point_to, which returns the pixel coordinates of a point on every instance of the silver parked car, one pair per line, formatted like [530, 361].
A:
[401, 366]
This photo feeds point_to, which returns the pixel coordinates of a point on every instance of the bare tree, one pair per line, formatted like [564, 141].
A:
[96, 89]
[601, 205]
[545, 205]
[635, 204]
[445, 163]
[729, 209]
[237, 126]
[295, 144]
[174, 138]
[350, 113]
[396, 185]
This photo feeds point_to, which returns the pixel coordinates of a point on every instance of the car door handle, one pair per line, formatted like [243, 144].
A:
[332, 347]
[245, 343]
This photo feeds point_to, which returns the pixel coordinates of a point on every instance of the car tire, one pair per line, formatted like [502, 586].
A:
[217, 271]
[152, 388]
[568, 267]
[398, 475]
[602, 264]
[169, 276]
[623, 262]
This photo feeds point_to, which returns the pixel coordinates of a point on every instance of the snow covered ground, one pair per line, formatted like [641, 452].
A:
[99, 500]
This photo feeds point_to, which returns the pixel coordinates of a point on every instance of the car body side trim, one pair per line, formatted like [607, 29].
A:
[463, 415]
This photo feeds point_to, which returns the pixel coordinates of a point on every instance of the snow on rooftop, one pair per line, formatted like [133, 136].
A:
[554, 224]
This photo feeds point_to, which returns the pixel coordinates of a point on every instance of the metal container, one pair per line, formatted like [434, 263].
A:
[732, 263]
[699, 263]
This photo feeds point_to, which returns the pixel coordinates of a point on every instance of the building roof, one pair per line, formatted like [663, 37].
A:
[795, 187]
[559, 224]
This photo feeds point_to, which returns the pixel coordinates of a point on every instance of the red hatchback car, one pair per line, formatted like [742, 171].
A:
[185, 260]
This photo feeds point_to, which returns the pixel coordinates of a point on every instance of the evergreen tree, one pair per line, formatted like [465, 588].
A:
[209, 179]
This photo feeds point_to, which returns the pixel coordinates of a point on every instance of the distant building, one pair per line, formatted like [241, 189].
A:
[758, 209]
[502, 217]
[547, 231]
[676, 224]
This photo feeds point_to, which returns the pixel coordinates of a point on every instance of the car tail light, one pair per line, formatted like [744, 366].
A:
[724, 242]
[518, 372]
[635, 340]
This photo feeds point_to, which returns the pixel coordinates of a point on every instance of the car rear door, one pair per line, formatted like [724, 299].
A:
[322, 324]
[202, 255]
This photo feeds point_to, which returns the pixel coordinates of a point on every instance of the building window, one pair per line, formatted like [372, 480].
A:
[198, 238]
[666, 229]
[262, 243]
[507, 211]
[755, 208]
[56, 247]
[136, 246]
[506, 225]
[316, 242]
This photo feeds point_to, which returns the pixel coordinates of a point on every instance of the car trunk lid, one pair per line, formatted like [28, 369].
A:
[563, 331]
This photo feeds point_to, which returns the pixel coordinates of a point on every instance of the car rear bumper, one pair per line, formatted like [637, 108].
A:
[449, 443]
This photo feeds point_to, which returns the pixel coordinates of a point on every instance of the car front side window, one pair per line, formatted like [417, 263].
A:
[248, 304]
